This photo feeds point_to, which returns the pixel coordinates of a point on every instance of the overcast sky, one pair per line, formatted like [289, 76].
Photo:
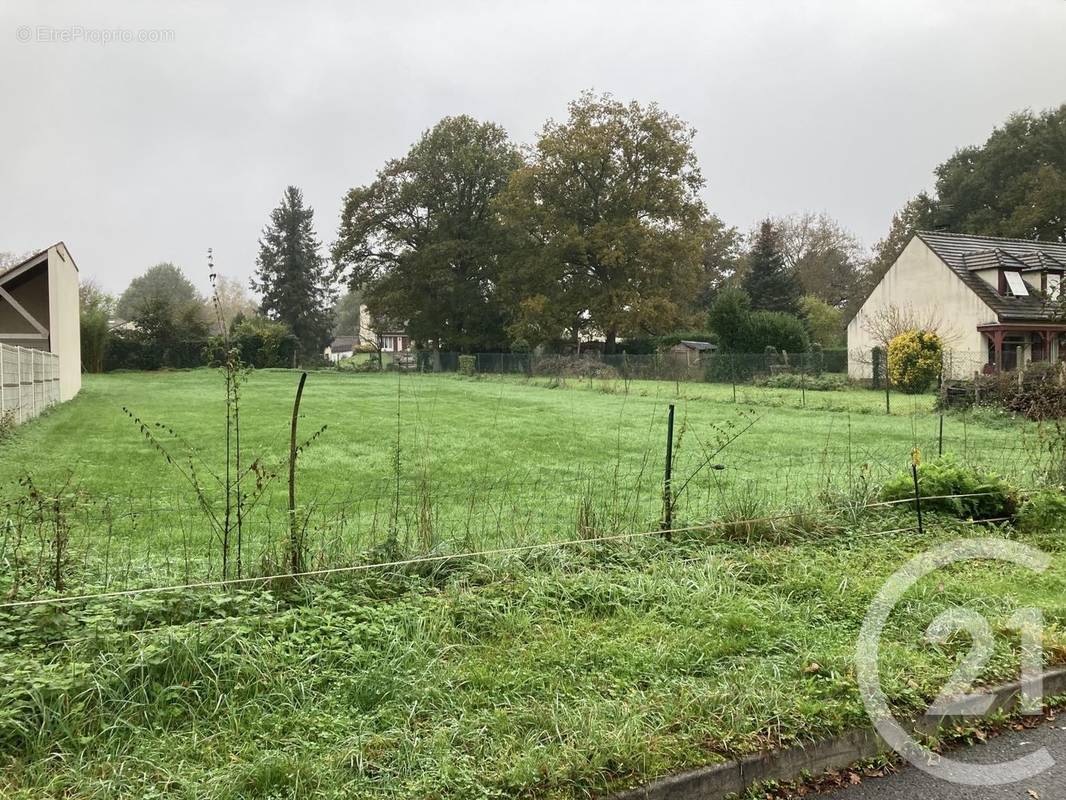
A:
[135, 153]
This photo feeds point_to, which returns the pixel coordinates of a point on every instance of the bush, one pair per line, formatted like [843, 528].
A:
[643, 346]
[777, 330]
[914, 360]
[356, 364]
[812, 383]
[1043, 512]
[573, 367]
[134, 351]
[264, 343]
[7, 424]
[728, 318]
[944, 481]
[835, 360]
[467, 365]
[1039, 393]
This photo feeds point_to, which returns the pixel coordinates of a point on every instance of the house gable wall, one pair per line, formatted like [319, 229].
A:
[918, 280]
[65, 328]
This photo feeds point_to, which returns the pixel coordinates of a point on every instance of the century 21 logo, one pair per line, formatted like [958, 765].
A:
[955, 698]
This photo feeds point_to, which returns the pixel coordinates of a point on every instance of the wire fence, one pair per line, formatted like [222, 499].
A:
[818, 370]
[66, 539]
[29, 382]
[400, 564]
[70, 540]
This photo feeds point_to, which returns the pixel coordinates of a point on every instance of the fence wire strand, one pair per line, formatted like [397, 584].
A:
[475, 554]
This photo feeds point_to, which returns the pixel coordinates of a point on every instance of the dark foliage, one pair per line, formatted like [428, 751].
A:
[770, 283]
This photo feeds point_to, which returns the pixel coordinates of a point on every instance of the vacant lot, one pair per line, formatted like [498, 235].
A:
[560, 672]
[438, 462]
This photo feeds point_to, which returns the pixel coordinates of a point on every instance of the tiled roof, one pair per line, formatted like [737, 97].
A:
[343, 344]
[1042, 261]
[964, 254]
[993, 259]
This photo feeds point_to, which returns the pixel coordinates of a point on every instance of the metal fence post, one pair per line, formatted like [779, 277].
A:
[943, 402]
[888, 391]
[668, 492]
[915, 459]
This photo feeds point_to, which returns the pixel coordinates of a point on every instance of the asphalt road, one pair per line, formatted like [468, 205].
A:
[913, 784]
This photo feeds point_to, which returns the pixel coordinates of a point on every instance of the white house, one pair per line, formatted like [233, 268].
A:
[389, 339]
[341, 347]
[994, 299]
[40, 309]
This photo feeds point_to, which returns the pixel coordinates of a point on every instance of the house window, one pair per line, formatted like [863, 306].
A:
[1015, 284]
[1039, 347]
[1013, 348]
[1054, 284]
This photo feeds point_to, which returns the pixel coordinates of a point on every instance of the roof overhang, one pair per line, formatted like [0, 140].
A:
[1022, 326]
[24, 266]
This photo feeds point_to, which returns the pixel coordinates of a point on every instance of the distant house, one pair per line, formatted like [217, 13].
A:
[692, 351]
[40, 310]
[389, 338]
[996, 299]
[341, 348]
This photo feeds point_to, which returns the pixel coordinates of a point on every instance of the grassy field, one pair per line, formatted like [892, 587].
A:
[430, 463]
[559, 672]
[560, 675]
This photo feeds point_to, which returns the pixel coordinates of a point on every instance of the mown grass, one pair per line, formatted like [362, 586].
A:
[560, 674]
[481, 463]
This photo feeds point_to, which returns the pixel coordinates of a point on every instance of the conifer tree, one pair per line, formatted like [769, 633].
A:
[293, 277]
[769, 282]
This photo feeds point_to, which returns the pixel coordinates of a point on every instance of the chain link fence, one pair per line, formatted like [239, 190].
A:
[820, 369]
[29, 382]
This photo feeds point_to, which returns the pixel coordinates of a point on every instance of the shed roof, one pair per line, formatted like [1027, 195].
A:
[697, 345]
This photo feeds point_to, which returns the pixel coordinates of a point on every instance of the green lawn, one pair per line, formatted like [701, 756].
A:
[561, 672]
[482, 463]
[551, 676]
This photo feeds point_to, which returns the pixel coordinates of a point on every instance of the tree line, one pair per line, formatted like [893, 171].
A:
[595, 233]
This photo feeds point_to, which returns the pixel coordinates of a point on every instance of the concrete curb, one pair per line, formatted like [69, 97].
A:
[722, 780]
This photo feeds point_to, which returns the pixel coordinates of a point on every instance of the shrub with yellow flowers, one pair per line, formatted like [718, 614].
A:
[914, 360]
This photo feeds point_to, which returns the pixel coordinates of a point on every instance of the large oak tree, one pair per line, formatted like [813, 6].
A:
[422, 243]
[611, 223]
